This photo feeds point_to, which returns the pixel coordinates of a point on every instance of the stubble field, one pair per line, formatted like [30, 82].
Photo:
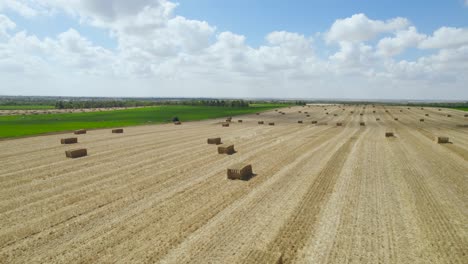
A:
[321, 193]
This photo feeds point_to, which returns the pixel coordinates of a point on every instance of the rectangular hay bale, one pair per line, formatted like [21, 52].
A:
[76, 153]
[260, 122]
[215, 141]
[339, 124]
[299, 122]
[117, 131]
[225, 124]
[271, 123]
[239, 172]
[443, 140]
[362, 124]
[226, 149]
[69, 140]
[80, 131]
[389, 134]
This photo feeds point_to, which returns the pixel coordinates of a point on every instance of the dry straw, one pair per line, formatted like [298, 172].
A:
[240, 172]
[69, 140]
[80, 132]
[76, 153]
[215, 141]
[443, 140]
[226, 149]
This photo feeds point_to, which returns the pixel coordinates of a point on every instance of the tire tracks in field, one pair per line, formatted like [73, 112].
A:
[259, 149]
[301, 224]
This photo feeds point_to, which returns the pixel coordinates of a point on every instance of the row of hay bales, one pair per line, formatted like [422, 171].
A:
[238, 171]
[439, 140]
[80, 152]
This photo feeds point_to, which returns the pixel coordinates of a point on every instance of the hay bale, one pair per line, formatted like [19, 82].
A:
[396, 119]
[440, 109]
[443, 140]
[339, 124]
[352, 112]
[314, 122]
[401, 111]
[260, 122]
[226, 149]
[377, 119]
[299, 112]
[214, 141]
[240, 172]
[373, 112]
[389, 134]
[283, 113]
[449, 115]
[263, 257]
[271, 123]
[240, 120]
[225, 124]
[335, 115]
[80, 131]
[69, 140]
[299, 122]
[326, 113]
[76, 153]
[426, 114]
[117, 131]
[175, 123]
[362, 124]
[361, 114]
[257, 113]
[421, 120]
[466, 115]
[308, 115]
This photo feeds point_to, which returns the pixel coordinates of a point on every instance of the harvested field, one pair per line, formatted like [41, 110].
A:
[321, 194]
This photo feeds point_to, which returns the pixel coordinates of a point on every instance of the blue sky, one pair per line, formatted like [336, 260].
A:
[301, 49]
[255, 19]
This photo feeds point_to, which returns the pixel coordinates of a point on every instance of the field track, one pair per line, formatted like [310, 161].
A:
[321, 193]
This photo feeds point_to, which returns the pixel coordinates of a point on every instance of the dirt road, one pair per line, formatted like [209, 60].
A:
[321, 193]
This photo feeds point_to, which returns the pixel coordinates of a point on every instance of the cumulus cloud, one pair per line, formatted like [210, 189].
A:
[403, 39]
[359, 27]
[446, 37]
[157, 48]
[22, 7]
[5, 25]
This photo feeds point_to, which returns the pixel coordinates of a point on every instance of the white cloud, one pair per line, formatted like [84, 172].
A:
[446, 37]
[466, 2]
[21, 7]
[160, 53]
[359, 28]
[5, 25]
[391, 46]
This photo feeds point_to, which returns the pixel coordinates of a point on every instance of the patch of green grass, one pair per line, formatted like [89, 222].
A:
[462, 108]
[25, 125]
[26, 107]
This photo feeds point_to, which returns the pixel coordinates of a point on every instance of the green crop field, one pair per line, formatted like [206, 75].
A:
[25, 125]
[26, 107]
[462, 108]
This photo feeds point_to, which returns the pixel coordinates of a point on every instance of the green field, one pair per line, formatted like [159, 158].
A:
[462, 108]
[26, 107]
[25, 125]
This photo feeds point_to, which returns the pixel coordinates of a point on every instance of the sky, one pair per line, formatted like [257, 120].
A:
[361, 49]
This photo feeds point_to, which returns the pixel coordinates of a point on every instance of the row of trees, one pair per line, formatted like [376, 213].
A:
[109, 104]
